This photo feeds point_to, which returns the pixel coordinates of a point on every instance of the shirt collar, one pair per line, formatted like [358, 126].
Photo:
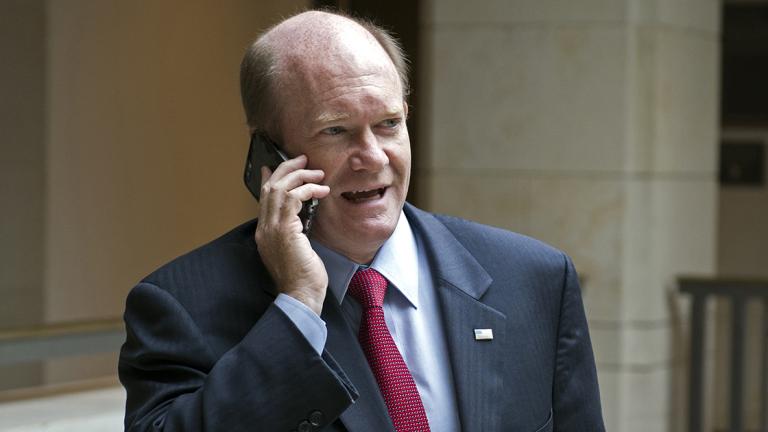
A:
[397, 260]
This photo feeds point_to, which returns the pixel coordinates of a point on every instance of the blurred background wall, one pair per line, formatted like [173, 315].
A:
[123, 146]
[22, 173]
[592, 125]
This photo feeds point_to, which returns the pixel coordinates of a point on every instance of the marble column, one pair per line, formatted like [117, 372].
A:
[590, 125]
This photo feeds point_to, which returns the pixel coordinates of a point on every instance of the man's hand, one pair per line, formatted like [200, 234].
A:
[285, 250]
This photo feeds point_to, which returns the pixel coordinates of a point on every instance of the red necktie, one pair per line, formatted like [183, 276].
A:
[368, 287]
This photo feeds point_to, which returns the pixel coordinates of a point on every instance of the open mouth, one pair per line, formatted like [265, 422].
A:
[362, 196]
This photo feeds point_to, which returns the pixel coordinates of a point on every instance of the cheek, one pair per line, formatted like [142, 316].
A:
[334, 176]
[401, 162]
[331, 164]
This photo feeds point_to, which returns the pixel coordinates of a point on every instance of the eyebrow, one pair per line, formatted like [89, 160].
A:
[331, 117]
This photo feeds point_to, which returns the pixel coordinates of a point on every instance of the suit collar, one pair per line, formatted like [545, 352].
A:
[397, 260]
[451, 262]
[461, 282]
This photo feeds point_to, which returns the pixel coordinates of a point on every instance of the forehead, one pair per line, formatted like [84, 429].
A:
[323, 80]
[320, 52]
[318, 95]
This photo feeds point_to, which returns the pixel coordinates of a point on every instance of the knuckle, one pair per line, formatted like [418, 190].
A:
[290, 206]
[294, 194]
[266, 188]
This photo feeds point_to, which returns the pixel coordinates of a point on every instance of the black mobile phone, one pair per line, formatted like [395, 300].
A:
[265, 152]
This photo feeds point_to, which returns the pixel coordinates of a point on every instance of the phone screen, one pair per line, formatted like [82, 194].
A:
[265, 152]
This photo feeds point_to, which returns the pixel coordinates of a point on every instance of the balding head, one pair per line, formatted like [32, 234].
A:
[326, 88]
[305, 49]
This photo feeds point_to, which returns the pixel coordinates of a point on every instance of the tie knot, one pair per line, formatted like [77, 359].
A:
[368, 287]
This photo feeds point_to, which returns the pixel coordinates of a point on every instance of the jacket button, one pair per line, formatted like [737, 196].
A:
[316, 418]
[305, 426]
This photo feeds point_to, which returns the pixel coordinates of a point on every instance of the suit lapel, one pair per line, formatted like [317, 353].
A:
[461, 282]
[368, 413]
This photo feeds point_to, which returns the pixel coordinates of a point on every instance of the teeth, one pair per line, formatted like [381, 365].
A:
[363, 194]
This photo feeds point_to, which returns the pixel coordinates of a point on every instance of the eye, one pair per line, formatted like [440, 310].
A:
[391, 123]
[333, 130]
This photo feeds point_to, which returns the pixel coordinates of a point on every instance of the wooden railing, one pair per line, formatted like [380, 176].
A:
[738, 293]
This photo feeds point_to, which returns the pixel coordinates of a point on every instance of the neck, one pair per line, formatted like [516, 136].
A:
[358, 255]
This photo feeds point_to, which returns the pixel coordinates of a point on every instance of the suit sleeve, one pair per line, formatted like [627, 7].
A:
[272, 380]
[576, 403]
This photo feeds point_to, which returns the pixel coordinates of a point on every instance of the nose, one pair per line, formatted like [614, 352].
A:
[368, 153]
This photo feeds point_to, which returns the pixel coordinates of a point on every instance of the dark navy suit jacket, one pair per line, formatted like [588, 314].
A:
[207, 350]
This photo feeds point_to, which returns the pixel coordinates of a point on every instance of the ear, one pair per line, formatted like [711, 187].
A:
[405, 108]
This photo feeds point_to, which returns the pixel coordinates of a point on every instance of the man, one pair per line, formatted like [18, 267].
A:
[263, 329]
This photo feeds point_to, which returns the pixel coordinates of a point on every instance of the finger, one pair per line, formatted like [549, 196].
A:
[265, 216]
[266, 173]
[310, 190]
[290, 165]
[281, 201]
[297, 178]
[291, 208]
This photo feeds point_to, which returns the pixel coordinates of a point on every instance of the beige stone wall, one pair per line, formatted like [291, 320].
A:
[146, 144]
[591, 125]
[22, 172]
[123, 147]
[146, 140]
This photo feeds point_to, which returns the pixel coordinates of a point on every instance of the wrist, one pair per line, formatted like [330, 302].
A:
[313, 301]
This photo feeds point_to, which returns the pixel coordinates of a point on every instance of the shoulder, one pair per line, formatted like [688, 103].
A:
[483, 236]
[212, 263]
[223, 278]
[489, 243]
[524, 278]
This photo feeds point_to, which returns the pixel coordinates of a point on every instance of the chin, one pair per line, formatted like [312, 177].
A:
[358, 236]
[369, 231]
[372, 231]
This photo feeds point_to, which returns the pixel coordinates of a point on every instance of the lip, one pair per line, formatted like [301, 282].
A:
[368, 193]
[364, 188]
